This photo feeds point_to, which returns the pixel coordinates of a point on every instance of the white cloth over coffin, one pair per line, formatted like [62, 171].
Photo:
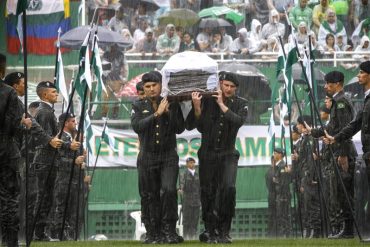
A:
[189, 60]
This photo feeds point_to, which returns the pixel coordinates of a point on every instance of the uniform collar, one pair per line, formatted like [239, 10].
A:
[367, 93]
[49, 104]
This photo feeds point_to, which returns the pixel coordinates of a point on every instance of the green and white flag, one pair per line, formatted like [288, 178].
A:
[109, 139]
[84, 73]
[88, 132]
[60, 80]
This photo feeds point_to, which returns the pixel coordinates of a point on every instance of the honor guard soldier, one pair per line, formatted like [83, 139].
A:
[218, 119]
[190, 191]
[156, 121]
[45, 156]
[341, 114]
[10, 125]
[361, 122]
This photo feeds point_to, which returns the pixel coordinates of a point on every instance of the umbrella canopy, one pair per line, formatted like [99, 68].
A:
[179, 18]
[218, 11]
[74, 38]
[298, 76]
[149, 4]
[213, 23]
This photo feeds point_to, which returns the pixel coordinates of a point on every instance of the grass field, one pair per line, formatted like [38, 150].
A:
[236, 243]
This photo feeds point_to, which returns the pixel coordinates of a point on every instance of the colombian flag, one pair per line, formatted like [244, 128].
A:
[44, 17]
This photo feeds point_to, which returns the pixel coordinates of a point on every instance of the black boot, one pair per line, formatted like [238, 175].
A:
[224, 232]
[12, 239]
[169, 234]
[151, 236]
[209, 234]
[345, 232]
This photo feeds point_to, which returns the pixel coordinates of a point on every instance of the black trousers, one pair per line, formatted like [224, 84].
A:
[217, 176]
[46, 189]
[158, 174]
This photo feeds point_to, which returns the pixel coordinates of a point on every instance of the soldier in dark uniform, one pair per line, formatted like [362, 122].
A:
[2, 66]
[190, 191]
[309, 181]
[341, 113]
[157, 122]
[65, 158]
[10, 125]
[45, 155]
[281, 180]
[361, 122]
[16, 80]
[270, 185]
[218, 119]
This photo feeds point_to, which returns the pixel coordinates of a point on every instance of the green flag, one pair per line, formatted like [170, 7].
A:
[109, 139]
[84, 74]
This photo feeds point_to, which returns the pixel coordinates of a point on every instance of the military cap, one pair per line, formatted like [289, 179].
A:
[365, 66]
[228, 76]
[190, 159]
[304, 118]
[334, 77]
[65, 116]
[152, 76]
[325, 109]
[45, 84]
[13, 78]
[280, 151]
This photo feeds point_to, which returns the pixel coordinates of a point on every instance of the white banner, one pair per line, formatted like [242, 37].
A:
[252, 143]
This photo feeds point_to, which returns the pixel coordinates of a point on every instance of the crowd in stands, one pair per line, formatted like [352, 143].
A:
[333, 25]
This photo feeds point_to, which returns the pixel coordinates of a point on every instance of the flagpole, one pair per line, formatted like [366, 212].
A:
[291, 147]
[334, 163]
[24, 27]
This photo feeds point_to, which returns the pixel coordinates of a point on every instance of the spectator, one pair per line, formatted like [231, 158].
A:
[300, 13]
[141, 14]
[319, 14]
[341, 9]
[333, 26]
[168, 43]
[218, 43]
[261, 10]
[204, 39]
[117, 22]
[360, 11]
[255, 36]
[241, 45]
[363, 47]
[274, 28]
[119, 68]
[147, 44]
[302, 33]
[362, 29]
[127, 36]
[330, 45]
[139, 33]
[187, 43]
[340, 43]
[226, 38]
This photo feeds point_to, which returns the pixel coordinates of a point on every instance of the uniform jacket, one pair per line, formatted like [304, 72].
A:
[341, 113]
[282, 180]
[10, 122]
[190, 186]
[218, 129]
[156, 134]
[46, 119]
[361, 122]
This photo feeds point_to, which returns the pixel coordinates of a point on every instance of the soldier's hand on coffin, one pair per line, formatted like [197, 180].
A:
[219, 97]
[75, 145]
[163, 106]
[196, 98]
[55, 142]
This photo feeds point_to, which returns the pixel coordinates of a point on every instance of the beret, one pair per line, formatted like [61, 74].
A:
[13, 78]
[279, 150]
[365, 66]
[334, 77]
[228, 76]
[190, 159]
[45, 84]
[65, 116]
[152, 76]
